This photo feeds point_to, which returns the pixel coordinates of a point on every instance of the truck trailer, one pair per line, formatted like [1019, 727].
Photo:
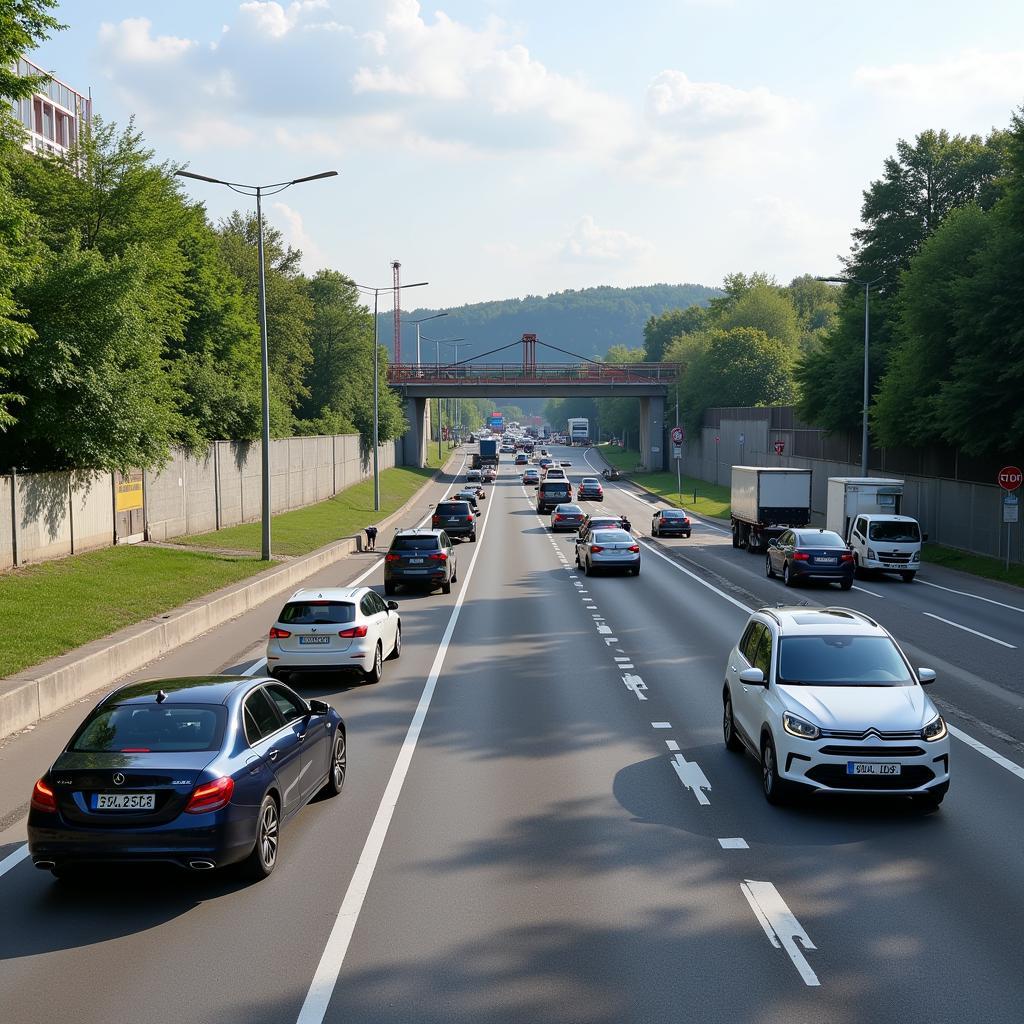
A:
[767, 501]
[488, 451]
[579, 431]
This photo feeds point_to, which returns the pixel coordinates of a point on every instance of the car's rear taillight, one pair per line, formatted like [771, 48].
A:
[596, 549]
[211, 796]
[558, 518]
[352, 632]
[279, 634]
[847, 557]
[43, 798]
[800, 556]
[686, 522]
[469, 519]
[435, 520]
[439, 556]
[635, 548]
[389, 557]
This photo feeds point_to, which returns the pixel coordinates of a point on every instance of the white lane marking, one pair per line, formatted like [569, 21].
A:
[864, 590]
[661, 725]
[696, 578]
[672, 745]
[976, 597]
[620, 659]
[318, 998]
[255, 667]
[604, 629]
[733, 844]
[609, 640]
[636, 684]
[779, 924]
[692, 777]
[626, 664]
[967, 629]
[992, 755]
[12, 860]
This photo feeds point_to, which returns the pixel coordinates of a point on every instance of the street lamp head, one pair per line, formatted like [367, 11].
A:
[314, 177]
[424, 319]
[835, 280]
[199, 177]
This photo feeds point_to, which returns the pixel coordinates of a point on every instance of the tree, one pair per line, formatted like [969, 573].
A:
[742, 366]
[816, 303]
[660, 330]
[767, 308]
[734, 287]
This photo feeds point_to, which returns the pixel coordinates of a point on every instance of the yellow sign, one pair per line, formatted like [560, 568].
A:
[129, 496]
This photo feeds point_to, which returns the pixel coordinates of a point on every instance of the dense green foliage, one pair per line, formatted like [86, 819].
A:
[129, 323]
[586, 321]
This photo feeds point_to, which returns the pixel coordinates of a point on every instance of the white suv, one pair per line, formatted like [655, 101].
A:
[826, 700]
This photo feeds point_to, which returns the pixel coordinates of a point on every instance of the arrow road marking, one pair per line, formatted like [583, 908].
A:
[779, 924]
[636, 684]
[692, 777]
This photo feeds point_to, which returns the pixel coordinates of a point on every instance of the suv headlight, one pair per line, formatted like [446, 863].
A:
[798, 727]
[935, 730]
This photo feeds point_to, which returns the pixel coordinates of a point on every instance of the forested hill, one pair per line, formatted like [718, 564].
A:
[588, 321]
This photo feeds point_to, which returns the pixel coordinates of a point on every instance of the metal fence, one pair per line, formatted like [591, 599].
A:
[49, 515]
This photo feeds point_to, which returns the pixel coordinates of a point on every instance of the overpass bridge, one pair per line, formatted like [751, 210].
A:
[528, 378]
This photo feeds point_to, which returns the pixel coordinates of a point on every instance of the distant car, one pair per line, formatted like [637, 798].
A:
[543, 451]
[551, 493]
[566, 517]
[456, 517]
[507, 449]
[610, 474]
[522, 459]
[600, 522]
[555, 473]
[590, 489]
[473, 476]
[488, 474]
[825, 699]
[545, 463]
[607, 549]
[799, 555]
[531, 478]
[468, 494]
[196, 772]
[421, 558]
[334, 628]
[670, 522]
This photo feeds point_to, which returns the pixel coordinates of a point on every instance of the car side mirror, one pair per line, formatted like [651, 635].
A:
[752, 677]
[926, 676]
[393, 606]
[773, 543]
[319, 707]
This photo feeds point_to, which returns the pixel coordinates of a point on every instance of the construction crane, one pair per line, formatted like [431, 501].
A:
[395, 267]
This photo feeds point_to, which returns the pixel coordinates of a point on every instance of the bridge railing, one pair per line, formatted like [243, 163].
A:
[513, 373]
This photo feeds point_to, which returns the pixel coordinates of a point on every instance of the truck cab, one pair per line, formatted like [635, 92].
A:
[886, 543]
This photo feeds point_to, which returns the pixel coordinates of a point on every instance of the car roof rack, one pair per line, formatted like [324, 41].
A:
[852, 611]
[771, 614]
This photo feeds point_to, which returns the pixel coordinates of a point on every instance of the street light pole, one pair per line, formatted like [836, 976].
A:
[258, 191]
[867, 345]
[421, 320]
[376, 382]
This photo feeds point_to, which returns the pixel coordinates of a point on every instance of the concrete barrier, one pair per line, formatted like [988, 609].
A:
[33, 694]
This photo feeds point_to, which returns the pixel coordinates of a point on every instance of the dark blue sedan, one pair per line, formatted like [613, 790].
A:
[800, 555]
[198, 772]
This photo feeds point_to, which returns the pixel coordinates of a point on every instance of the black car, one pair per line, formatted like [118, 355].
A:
[600, 521]
[810, 555]
[422, 558]
[610, 474]
[670, 522]
[566, 517]
[196, 772]
[590, 489]
[551, 493]
[468, 496]
[456, 517]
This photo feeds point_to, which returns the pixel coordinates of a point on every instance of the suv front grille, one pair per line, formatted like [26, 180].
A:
[838, 751]
[837, 734]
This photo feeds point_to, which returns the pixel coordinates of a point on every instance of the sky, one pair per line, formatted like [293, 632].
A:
[502, 148]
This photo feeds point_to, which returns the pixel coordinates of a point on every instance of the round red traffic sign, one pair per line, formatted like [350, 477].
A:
[677, 435]
[780, 447]
[1010, 478]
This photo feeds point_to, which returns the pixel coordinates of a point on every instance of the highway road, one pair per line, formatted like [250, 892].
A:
[541, 822]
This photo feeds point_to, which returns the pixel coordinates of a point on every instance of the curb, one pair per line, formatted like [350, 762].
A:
[37, 692]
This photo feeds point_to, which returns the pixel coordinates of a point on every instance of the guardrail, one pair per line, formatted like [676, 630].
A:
[560, 373]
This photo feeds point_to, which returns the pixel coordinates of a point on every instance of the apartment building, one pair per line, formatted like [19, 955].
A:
[54, 116]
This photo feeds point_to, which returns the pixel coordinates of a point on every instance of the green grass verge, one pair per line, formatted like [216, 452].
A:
[699, 496]
[305, 529]
[976, 565]
[53, 607]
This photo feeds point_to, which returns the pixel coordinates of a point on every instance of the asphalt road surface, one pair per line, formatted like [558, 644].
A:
[541, 823]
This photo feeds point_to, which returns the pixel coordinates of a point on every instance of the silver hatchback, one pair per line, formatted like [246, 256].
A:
[608, 549]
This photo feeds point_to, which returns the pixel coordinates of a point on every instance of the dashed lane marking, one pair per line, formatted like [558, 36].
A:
[864, 590]
[780, 925]
[636, 684]
[967, 629]
[733, 844]
[672, 745]
[661, 725]
[692, 777]
[13, 859]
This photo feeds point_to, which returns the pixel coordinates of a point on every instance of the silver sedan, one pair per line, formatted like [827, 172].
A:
[608, 549]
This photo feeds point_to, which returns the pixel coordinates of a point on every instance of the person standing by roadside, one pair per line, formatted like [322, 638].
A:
[371, 538]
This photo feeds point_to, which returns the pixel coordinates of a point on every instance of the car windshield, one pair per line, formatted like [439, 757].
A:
[308, 613]
[820, 539]
[453, 508]
[569, 510]
[840, 660]
[153, 728]
[425, 543]
[673, 513]
[612, 537]
[906, 533]
[590, 480]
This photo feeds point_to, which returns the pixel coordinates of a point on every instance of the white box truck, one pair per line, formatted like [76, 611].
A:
[579, 431]
[767, 501]
[865, 512]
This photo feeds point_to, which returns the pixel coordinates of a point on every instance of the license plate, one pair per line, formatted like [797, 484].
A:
[123, 801]
[872, 768]
[410, 571]
[310, 640]
[453, 519]
[415, 561]
[827, 561]
[894, 565]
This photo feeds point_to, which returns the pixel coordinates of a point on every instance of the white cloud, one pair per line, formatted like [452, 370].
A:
[973, 75]
[589, 243]
[295, 234]
[678, 105]
[132, 42]
[275, 21]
